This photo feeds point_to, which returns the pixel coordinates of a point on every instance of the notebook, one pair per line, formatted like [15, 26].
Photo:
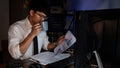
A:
[46, 58]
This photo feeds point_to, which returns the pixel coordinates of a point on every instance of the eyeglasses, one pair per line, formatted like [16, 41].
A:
[42, 16]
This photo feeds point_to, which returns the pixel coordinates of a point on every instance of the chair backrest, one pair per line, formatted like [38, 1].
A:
[6, 55]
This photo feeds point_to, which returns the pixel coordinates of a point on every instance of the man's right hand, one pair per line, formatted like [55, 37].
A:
[36, 29]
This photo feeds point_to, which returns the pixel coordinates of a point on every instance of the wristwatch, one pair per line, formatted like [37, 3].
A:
[55, 44]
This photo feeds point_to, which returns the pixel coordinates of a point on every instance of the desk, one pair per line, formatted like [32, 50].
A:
[62, 63]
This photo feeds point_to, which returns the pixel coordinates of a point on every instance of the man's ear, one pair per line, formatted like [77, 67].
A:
[32, 12]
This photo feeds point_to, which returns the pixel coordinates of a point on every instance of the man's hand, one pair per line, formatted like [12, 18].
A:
[36, 29]
[53, 45]
[60, 39]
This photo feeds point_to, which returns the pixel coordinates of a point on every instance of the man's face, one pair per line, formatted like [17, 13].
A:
[38, 17]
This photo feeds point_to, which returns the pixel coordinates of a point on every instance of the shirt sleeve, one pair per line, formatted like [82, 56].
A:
[14, 40]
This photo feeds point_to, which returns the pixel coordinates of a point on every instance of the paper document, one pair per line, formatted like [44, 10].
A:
[68, 42]
[46, 58]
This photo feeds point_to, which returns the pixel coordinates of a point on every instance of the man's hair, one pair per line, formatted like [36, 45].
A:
[39, 5]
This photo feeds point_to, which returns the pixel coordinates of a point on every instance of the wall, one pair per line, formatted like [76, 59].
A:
[4, 19]
[17, 10]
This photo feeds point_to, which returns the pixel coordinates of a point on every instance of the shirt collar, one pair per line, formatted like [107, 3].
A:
[27, 23]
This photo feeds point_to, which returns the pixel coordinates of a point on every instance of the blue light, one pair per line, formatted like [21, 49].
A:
[93, 4]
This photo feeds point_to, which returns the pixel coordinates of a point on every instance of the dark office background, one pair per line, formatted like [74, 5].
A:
[102, 15]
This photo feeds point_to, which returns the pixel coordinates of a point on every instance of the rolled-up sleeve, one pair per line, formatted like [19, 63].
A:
[14, 40]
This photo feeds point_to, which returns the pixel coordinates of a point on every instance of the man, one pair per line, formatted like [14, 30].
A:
[22, 33]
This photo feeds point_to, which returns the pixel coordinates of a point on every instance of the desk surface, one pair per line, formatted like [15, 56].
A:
[61, 64]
